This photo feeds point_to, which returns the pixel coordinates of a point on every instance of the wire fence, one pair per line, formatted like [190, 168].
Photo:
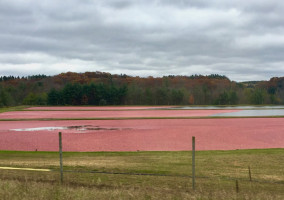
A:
[249, 177]
[172, 175]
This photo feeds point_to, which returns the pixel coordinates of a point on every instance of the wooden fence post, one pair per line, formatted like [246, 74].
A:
[193, 163]
[237, 186]
[249, 173]
[60, 156]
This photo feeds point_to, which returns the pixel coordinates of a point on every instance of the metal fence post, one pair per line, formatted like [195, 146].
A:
[193, 163]
[60, 155]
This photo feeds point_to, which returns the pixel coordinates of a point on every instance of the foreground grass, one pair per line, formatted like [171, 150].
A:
[217, 172]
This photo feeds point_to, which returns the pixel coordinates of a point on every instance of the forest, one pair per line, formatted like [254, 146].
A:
[102, 88]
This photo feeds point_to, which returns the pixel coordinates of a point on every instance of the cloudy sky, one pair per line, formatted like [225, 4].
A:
[243, 39]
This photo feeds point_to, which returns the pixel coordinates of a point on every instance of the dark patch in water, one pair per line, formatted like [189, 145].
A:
[77, 128]
[90, 128]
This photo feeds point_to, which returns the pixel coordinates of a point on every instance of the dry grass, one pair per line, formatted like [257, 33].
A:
[221, 168]
[14, 189]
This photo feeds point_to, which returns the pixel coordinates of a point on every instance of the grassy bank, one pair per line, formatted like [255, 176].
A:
[169, 175]
[14, 108]
[135, 118]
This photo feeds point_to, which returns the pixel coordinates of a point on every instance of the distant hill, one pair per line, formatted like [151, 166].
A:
[102, 88]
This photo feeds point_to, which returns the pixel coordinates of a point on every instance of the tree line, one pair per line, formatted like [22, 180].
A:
[101, 88]
[87, 94]
[7, 78]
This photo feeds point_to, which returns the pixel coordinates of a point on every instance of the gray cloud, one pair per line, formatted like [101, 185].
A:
[240, 39]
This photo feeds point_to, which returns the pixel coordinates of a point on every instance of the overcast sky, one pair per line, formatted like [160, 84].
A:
[243, 39]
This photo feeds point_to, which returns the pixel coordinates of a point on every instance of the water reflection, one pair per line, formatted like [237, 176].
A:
[226, 107]
[252, 113]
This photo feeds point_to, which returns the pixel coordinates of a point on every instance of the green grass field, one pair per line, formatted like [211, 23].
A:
[169, 175]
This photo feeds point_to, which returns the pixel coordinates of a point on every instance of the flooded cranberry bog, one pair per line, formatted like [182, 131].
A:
[109, 114]
[140, 153]
[143, 134]
[135, 129]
